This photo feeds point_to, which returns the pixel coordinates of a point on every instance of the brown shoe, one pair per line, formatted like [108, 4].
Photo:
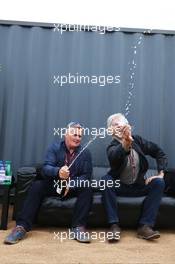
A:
[114, 233]
[147, 232]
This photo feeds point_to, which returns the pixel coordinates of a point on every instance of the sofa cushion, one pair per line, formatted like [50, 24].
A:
[56, 212]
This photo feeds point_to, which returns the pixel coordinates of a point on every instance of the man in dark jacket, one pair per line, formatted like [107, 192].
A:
[127, 158]
[62, 164]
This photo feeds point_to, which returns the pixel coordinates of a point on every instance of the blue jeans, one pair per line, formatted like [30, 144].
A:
[153, 192]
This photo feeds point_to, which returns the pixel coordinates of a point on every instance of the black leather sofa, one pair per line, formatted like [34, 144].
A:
[55, 212]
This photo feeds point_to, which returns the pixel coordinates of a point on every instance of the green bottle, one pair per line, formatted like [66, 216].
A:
[8, 172]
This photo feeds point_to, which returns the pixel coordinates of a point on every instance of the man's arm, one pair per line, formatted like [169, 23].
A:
[116, 154]
[152, 149]
[50, 167]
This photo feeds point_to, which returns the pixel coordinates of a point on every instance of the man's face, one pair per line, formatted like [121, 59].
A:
[73, 137]
[118, 125]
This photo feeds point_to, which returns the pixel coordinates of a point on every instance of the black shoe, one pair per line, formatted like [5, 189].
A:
[80, 234]
[147, 233]
[114, 233]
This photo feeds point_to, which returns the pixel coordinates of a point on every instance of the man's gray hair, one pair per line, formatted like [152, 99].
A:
[117, 116]
[74, 124]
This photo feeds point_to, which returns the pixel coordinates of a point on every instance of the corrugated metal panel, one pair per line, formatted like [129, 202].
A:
[31, 105]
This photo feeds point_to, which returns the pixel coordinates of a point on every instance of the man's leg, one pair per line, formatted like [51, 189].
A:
[152, 201]
[154, 191]
[31, 204]
[80, 214]
[109, 195]
[29, 210]
[109, 201]
[82, 206]
[150, 209]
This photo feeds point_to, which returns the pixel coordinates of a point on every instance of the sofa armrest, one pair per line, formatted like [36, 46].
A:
[170, 181]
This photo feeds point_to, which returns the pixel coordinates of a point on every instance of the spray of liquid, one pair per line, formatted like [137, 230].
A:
[83, 149]
[60, 188]
[132, 71]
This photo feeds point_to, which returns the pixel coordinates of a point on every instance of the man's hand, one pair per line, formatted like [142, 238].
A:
[126, 137]
[159, 176]
[64, 173]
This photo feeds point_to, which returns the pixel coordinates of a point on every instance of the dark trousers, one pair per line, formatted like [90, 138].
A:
[40, 189]
[153, 192]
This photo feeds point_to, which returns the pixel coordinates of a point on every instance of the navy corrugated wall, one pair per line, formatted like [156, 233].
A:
[32, 105]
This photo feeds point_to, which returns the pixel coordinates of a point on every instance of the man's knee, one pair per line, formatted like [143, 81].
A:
[37, 187]
[158, 183]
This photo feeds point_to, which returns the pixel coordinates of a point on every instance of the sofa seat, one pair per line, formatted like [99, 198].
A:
[57, 212]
